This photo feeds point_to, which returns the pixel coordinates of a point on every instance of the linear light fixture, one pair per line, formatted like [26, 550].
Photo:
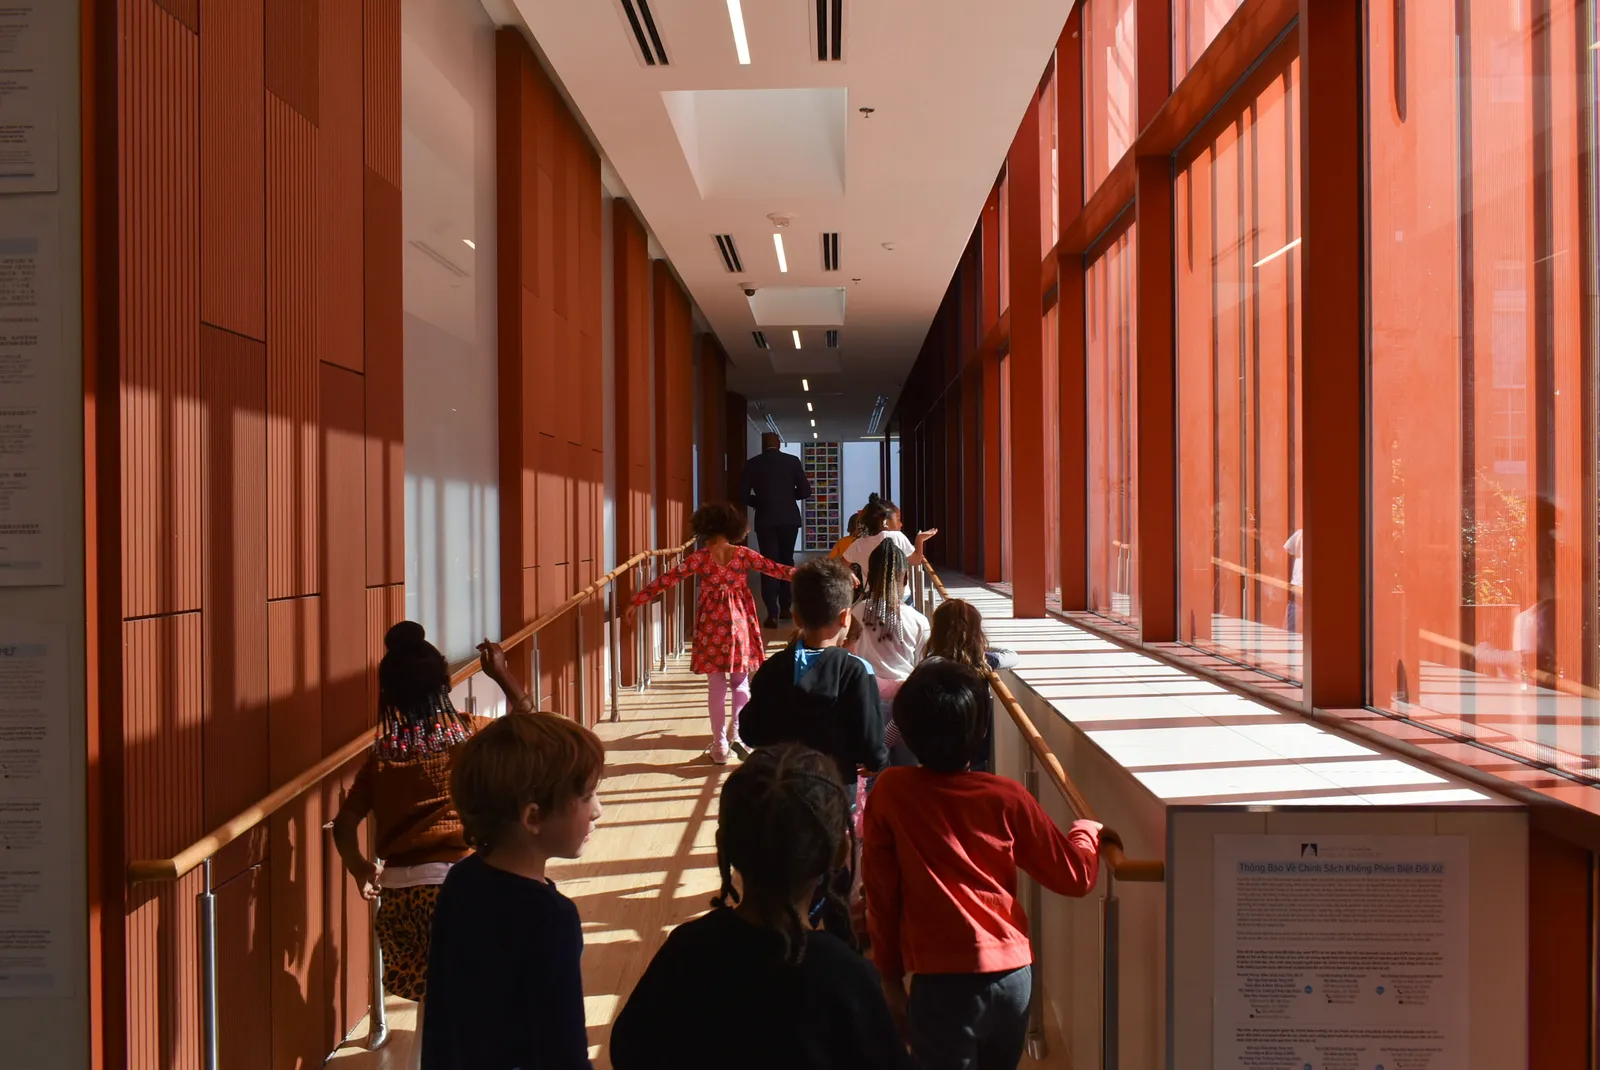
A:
[877, 414]
[805, 384]
[773, 424]
[469, 243]
[813, 423]
[809, 408]
[796, 334]
[813, 434]
[783, 261]
[740, 43]
[1270, 257]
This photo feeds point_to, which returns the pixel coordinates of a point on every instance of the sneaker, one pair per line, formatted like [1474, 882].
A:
[718, 752]
[739, 749]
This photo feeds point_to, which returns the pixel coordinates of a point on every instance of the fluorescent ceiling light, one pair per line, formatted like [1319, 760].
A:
[796, 338]
[805, 384]
[783, 261]
[740, 42]
[1270, 257]
[470, 244]
[813, 434]
[813, 423]
[809, 408]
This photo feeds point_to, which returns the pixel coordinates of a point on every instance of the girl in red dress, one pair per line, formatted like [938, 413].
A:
[728, 646]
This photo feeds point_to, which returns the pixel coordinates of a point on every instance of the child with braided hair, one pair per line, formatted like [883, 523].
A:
[787, 996]
[893, 634]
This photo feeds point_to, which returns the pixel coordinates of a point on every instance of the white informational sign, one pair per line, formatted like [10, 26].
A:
[28, 126]
[1341, 953]
[36, 834]
[30, 400]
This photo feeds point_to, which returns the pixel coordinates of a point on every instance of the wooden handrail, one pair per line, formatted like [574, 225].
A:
[207, 846]
[1122, 867]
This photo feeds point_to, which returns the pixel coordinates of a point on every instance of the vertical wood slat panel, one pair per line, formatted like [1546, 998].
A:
[674, 403]
[160, 302]
[232, 168]
[292, 235]
[235, 634]
[292, 33]
[384, 381]
[346, 923]
[185, 11]
[343, 538]
[244, 974]
[386, 607]
[341, 184]
[381, 78]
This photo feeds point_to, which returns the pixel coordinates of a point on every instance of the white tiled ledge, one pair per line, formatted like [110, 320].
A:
[1189, 741]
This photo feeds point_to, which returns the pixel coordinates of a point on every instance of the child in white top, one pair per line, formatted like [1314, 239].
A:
[893, 634]
[880, 523]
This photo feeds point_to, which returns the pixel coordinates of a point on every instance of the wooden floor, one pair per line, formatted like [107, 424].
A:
[651, 864]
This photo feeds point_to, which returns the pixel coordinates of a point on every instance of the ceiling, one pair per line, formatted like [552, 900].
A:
[707, 146]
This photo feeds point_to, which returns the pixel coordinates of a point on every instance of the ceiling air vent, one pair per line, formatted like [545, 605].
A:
[761, 339]
[833, 339]
[830, 251]
[645, 34]
[830, 30]
[730, 253]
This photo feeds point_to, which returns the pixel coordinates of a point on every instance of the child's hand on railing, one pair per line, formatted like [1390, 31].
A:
[1109, 838]
[630, 614]
[493, 660]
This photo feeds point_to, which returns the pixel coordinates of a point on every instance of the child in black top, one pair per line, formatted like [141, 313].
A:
[505, 990]
[751, 984]
[815, 692]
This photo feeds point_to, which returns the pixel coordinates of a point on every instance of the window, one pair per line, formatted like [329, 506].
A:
[1238, 274]
[1195, 24]
[1109, 325]
[1049, 163]
[1110, 97]
[1005, 467]
[1004, 245]
[1052, 455]
[1481, 293]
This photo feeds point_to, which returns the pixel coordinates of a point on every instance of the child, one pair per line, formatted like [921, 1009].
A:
[405, 785]
[751, 983]
[727, 631]
[880, 522]
[504, 985]
[815, 692]
[943, 847]
[892, 634]
[958, 635]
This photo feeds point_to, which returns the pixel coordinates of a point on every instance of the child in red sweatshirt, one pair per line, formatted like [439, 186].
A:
[943, 847]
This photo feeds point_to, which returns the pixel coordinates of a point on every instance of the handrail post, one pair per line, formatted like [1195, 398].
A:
[616, 652]
[378, 1011]
[538, 677]
[579, 690]
[641, 661]
[209, 1051]
[1037, 1046]
[666, 617]
[1110, 977]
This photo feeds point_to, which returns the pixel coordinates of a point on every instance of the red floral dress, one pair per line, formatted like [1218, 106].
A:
[727, 629]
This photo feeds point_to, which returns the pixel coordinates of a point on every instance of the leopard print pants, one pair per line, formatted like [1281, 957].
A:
[405, 927]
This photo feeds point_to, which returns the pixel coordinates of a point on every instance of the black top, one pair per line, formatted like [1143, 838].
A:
[773, 482]
[833, 708]
[718, 994]
[505, 989]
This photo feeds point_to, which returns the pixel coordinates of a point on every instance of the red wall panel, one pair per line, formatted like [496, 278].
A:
[674, 367]
[292, 39]
[344, 599]
[232, 168]
[384, 289]
[381, 79]
[341, 186]
[244, 975]
[292, 492]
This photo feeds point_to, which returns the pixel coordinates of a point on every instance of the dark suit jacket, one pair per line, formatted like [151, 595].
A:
[773, 482]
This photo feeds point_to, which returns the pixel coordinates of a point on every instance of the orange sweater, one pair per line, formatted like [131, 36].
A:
[940, 867]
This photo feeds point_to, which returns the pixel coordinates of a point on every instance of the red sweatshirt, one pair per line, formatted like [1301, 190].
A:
[940, 867]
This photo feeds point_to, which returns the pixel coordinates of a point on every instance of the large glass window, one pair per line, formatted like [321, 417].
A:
[1005, 467]
[1195, 24]
[1109, 343]
[1049, 163]
[1238, 280]
[1004, 246]
[1052, 455]
[1110, 94]
[1482, 274]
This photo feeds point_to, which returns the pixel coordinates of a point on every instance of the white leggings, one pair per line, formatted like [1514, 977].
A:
[717, 700]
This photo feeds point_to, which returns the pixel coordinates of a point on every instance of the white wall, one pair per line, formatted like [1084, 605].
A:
[860, 476]
[451, 363]
[52, 1030]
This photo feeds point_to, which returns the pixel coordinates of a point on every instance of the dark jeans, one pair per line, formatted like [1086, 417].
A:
[776, 544]
[969, 1021]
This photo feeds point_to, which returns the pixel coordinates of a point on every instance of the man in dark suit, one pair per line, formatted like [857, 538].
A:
[773, 482]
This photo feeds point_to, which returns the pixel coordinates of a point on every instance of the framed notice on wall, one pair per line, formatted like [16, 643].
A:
[822, 522]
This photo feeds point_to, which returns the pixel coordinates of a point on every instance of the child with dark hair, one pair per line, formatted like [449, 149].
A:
[943, 849]
[786, 996]
[880, 523]
[404, 784]
[958, 635]
[893, 634]
[815, 692]
[505, 988]
[728, 646]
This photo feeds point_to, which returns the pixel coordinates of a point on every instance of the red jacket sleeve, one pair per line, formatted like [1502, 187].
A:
[880, 876]
[1067, 863]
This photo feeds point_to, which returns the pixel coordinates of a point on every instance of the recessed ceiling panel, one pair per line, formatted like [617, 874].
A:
[745, 144]
[798, 306]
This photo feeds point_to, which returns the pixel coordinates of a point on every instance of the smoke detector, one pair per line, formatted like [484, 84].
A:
[779, 220]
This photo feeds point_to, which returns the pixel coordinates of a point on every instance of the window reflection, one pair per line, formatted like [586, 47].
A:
[1109, 337]
[1110, 97]
[1195, 24]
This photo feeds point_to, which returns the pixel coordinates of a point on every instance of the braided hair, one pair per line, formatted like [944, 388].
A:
[783, 817]
[415, 715]
[886, 586]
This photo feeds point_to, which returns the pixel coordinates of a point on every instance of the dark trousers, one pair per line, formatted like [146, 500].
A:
[776, 544]
[969, 1021]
